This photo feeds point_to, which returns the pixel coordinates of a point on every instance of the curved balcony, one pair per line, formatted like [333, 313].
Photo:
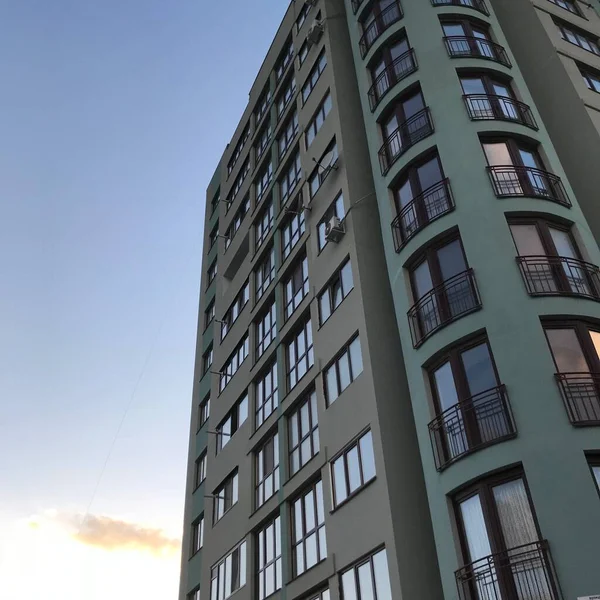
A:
[560, 276]
[474, 47]
[455, 298]
[428, 206]
[581, 395]
[393, 73]
[413, 130]
[478, 5]
[487, 107]
[521, 573]
[515, 181]
[384, 20]
[470, 425]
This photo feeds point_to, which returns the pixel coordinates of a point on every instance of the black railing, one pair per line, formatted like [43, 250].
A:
[487, 107]
[400, 68]
[581, 394]
[428, 206]
[356, 5]
[510, 180]
[385, 19]
[456, 297]
[560, 276]
[483, 419]
[474, 4]
[413, 130]
[522, 573]
[474, 47]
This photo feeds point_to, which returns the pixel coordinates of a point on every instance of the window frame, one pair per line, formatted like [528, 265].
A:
[237, 151]
[590, 75]
[319, 174]
[267, 261]
[263, 224]
[269, 444]
[574, 10]
[291, 300]
[262, 104]
[294, 226]
[283, 61]
[237, 306]
[287, 135]
[313, 128]
[262, 141]
[197, 537]
[335, 365]
[272, 527]
[213, 236]
[229, 485]
[267, 379]
[269, 332]
[332, 211]
[304, 330]
[329, 291]
[286, 95]
[290, 178]
[203, 411]
[200, 469]
[207, 360]
[263, 181]
[241, 349]
[294, 422]
[313, 76]
[356, 565]
[234, 416]
[239, 552]
[593, 460]
[579, 34]
[211, 273]
[209, 314]
[582, 330]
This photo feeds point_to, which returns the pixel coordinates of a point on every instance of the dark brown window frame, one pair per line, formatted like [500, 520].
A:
[259, 484]
[200, 469]
[226, 486]
[593, 460]
[308, 357]
[313, 430]
[576, 10]
[269, 333]
[209, 314]
[295, 214]
[290, 280]
[328, 289]
[272, 398]
[198, 526]
[205, 356]
[203, 407]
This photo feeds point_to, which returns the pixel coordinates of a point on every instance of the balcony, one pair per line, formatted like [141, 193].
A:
[581, 394]
[400, 68]
[474, 4]
[560, 276]
[521, 573]
[413, 130]
[475, 47]
[511, 181]
[470, 425]
[425, 208]
[455, 298]
[385, 19]
[487, 107]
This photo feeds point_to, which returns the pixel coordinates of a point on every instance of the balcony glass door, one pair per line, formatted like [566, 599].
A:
[575, 275]
[481, 107]
[459, 296]
[428, 314]
[506, 181]
[482, 43]
[454, 425]
[397, 130]
[538, 273]
[536, 180]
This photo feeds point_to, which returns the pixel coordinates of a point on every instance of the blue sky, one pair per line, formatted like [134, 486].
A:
[113, 114]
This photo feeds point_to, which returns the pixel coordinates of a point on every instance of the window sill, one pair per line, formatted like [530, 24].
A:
[301, 469]
[352, 495]
[580, 47]
[215, 523]
[296, 577]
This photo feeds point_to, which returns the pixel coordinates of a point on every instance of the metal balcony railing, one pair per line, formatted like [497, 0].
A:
[475, 47]
[385, 19]
[400, 68]
[559, 276]
[522, 573]
[474, 4]
[581, 394]
[411, 131]
[470, 425]
[487, 107]
[428, 206]
[509, 181]
[456, 297]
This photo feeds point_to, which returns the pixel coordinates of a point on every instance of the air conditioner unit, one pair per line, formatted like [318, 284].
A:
[334, 230]
[314, 33]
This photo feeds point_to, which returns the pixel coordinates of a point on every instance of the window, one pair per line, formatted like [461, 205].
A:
[291, 177]
[343, 371]
[203, 411]
[570, 5]
[229, 574]
[303, 53]
[324, 595]
[303, 431]
[213, 236]
[237, 183]
[195, 595]
[300, 355]
[313, 76]
[325, 165]
[234, 362]
[225, 496]
[591, 78]
[302, 15]
[212, 271]
[197, 534]
[337, 289]
[335, 210]
[595, 467]
[263, 181]
[369, 579]
[309, 546]
[207, 359]
[317, 121]
[238, 148]
[284, 60]
[580, 38]
[381, 15]
[263, 225]
[235, 224]
[270, 576]
[233, 312]
[215, 202]
[353, 468]
[267, 470]
[209, 314]
[285, 97]
[296, 287]
[294, 227]
[288, 133]
[235, 418]
[266, 330]
[263, 141]
[395, 63]
[262, 105]
[265, 273]
[200, 470]
[267, 396]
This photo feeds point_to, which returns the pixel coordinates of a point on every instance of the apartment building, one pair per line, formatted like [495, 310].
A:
[398, 355]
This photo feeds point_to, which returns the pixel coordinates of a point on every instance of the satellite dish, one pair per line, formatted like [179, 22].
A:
[327, 161]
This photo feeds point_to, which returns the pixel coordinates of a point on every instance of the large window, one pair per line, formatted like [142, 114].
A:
[225, 496]
[197, 535]
[232, 422]
[313, 76]
[263, 225]
[200, 470]
[266, 330]
[353, 468]
[335, 210]
[309, 546]
[346, 367]
[303, 433]
[285, 97]
[296, 287]
[325, 165]
[317, 121]
[263, 180]
[368, 580]
[233, 312]
[570, 5]
[267, 396]
[299, 354]
[591, 78]
[229, 574]
[267, 470]
[234, 362]
[270, 578]
[264, 273]
[291, 176]
[203, 411]
[338, 287]
[287, 135]
[580, 38]
[293, 228]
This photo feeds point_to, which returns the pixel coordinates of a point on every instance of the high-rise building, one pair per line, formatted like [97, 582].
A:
[397, 378]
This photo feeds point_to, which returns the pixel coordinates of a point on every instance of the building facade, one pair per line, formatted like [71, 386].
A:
[398, 355]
